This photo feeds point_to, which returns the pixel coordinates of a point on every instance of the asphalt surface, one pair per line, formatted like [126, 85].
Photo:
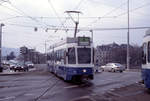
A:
[44, 86]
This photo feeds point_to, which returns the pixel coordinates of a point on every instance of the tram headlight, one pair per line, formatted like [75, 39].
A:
[84, 70]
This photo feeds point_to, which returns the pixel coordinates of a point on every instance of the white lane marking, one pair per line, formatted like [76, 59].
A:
[74, 86]
[112, 89]
[83, 98]
[6, 98]
[29, 94]
[115, 94]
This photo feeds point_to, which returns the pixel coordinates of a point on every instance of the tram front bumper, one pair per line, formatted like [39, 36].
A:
[146, 77]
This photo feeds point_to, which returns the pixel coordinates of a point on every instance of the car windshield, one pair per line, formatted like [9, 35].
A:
[28, 62]
[117, 64]
[84, 55]
[109, 64]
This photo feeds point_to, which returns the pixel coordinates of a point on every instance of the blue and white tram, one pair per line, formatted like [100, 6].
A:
[72, 59]
[146, 61]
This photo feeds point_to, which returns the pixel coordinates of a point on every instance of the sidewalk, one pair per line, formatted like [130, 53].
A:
[133, 70]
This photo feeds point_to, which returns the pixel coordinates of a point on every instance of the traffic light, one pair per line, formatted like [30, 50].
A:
[35, 29]
[23, 50]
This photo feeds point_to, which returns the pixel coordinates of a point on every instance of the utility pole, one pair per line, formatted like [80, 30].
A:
[45, 52]
[128, 38]
[1, 68]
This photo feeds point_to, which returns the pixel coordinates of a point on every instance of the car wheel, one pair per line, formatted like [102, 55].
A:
[113, 70]
[148, 90]
[102, 69]
[121, 71]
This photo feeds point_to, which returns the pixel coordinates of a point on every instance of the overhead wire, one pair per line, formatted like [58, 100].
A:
[78, 5]
[19, 11]
[23, 13]
[108, 13]
[50, 3]
[104, 15]
[11, 9]
[85, 28]
[132, 10]
[3, 1]
[5, 19]
[58, 17]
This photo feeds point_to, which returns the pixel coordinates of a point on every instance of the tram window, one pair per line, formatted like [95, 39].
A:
[84, 55]
[59, 56]
[144, 54]
[93, 55]
[148, 51]
[71, 56]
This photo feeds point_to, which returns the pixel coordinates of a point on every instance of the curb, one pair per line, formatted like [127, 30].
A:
[5, 74]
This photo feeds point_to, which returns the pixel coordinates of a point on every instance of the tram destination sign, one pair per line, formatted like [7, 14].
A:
[84, 41]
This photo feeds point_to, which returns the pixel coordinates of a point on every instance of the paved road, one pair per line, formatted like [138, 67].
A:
[41, 86]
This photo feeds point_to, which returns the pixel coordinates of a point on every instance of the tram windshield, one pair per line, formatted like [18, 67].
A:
[71, 56]
[84, 55]
[144, 54]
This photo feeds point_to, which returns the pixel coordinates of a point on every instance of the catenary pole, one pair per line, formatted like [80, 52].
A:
[1, 68]
[128, 38]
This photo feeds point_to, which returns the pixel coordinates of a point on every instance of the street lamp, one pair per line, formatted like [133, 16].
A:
[1, 68]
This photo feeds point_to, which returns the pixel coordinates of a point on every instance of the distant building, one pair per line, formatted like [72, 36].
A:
[117, 53]
[33, 56]
[104, 53]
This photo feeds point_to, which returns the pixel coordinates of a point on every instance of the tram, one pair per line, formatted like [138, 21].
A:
[146, 60]
[72, 59]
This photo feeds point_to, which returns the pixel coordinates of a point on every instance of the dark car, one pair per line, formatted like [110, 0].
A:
[20, 67]
[1, 69]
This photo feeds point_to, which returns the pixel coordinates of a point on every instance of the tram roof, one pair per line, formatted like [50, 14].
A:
[68, 40]
[147, 33]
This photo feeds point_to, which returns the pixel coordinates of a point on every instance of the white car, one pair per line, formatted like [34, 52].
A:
[113, 67]
[29, 64]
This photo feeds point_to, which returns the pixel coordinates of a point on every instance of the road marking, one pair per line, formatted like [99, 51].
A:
[11, 97]
[115, 94]
[29, 94]
[84, 98]
[68, 87]
[112, 89]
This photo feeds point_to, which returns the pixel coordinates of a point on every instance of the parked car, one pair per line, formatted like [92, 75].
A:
[12, 66]
[113, 67]
[29, 64]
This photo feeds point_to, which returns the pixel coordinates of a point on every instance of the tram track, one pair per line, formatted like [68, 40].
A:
[48, 89]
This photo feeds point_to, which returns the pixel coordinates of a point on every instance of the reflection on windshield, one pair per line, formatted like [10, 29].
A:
[84, 55]
[71, 56]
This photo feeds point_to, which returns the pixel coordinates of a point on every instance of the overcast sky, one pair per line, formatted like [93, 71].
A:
[43, 14]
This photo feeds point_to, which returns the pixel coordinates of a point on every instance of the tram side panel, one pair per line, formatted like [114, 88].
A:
[146, 62]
